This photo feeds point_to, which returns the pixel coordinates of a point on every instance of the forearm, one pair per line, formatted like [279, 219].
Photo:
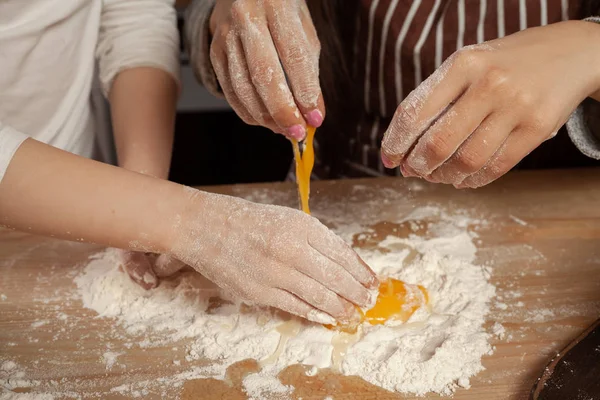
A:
[143, 103]
[50, 192]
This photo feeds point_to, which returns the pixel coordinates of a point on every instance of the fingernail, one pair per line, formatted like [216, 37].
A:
[373, 282]
[373, 294]
[150, 280]
[296, 132]
[353, 319]
[314, 118]
[386, 161]
[320, 318]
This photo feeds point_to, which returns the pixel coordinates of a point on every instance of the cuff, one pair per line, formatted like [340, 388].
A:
[10, 140]
[197, 43]
[580, 127]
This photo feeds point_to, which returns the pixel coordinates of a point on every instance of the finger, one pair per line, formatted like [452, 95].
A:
[446, 135]
[292, 304]
[516, 147]
[476, 151]
[316, 295]
[422, 107]
[166, 265]
[300, 57]
[333, 276]
[138, 268]
[220, 65]
[266, 72]
[335, 249]
[242, 83]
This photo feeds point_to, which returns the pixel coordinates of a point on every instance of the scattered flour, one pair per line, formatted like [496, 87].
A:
[437, 350]
[110, 358]
[13, 376]
[261, 385]
[499, 330]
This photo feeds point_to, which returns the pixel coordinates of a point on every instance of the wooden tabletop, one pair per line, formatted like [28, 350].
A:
[542, 241]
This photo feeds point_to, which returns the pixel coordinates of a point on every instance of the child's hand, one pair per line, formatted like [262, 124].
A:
[138, 266]
[145, 269]
[488, 106]
[273, 256]
[252, 41]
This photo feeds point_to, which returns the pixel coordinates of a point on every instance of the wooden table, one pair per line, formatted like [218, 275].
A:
[542, 241]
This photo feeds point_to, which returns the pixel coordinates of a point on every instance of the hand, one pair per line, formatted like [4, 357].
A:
[274, 256]
[145, 268]
[252, 40]
[490, 105]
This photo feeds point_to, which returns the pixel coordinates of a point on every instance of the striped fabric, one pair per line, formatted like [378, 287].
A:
[399, 43]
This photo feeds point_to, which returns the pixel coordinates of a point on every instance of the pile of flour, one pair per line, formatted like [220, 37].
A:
[438, 350]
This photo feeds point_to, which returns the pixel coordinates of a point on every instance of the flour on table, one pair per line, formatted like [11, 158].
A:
[438, 350]
[110, 359]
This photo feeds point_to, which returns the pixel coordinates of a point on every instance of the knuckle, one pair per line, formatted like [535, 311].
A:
[437, 148]
[495, 79]
[261, 72]
[469, 162]
[524, 99]
[538, 121]
[239, 10]
[470, 58]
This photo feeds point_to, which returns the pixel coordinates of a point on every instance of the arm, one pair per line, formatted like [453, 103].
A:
[138, 50]
[270, 255]
[51, 192]
[143, 104]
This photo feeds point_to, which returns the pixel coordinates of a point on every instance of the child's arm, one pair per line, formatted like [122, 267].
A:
[138, 57]
[51, 192]
[138, 50]
[142, 102]
[269, 255]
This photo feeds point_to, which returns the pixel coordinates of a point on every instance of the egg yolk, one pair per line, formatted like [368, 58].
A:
[396, 300]
[305, 162]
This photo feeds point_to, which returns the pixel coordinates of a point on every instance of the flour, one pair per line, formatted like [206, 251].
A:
[110, 359]
[261, 385]
[438, 350]
[13, 376]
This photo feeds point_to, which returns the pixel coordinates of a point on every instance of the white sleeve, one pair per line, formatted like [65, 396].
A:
[10, 140]
[140, 33]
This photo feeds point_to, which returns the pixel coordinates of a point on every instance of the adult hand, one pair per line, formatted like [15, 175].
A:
[490, 105]
[274, 256]
[258, 47]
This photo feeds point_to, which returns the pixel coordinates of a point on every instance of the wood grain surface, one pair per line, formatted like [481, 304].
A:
[541, 237]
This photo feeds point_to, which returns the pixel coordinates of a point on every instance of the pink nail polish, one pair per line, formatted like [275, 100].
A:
[386, 161]
[314, 118]
[296, 132]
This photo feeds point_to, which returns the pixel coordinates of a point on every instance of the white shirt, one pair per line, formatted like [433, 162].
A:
[48, 55]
